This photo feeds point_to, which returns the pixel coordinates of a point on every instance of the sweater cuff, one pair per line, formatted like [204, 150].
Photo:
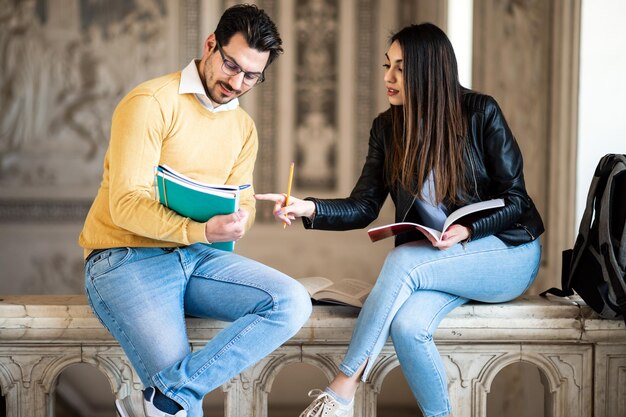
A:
[195, 232]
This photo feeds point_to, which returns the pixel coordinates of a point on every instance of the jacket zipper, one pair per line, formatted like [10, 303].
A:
[471, 159]
[525, 228]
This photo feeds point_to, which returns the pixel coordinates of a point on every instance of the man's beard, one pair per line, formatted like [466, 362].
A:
[228, 88]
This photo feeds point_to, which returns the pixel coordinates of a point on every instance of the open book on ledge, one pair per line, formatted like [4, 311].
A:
[388, 230]
[348, 291]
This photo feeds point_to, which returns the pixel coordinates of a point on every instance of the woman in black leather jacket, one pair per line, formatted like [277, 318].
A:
[437, 148]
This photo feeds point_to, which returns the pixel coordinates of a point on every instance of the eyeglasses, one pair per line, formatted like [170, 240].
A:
[231, 69]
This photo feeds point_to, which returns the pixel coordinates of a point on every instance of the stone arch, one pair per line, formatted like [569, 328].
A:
[7, 380]
[386, 362]
[51, 373]
[519, 386]
[553, 374]
[116, 367]
[568, 371]
[323, 361]
[111, 361]
[8, 388]
[33, 372]
[271, 369]
[65, 382]
[108, 360]
[255, 383]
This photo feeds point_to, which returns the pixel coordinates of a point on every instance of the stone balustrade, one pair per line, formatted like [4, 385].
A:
[581, 356]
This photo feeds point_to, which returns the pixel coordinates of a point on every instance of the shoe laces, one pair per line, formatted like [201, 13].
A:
[321, 406]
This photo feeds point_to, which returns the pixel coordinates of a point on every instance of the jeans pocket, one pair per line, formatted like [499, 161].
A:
[108, 260]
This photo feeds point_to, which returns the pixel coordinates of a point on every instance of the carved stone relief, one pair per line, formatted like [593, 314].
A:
[316, 32]
[64, 70]
[366, 79]
[66, 65]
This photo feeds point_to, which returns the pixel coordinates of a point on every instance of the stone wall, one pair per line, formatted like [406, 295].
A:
[66, 63]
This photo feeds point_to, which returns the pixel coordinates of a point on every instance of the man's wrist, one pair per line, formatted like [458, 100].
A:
[196, 232]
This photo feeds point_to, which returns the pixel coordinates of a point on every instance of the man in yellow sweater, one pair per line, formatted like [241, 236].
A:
[147, 266]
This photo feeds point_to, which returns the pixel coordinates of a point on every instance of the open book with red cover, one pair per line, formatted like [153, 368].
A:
[388, 230]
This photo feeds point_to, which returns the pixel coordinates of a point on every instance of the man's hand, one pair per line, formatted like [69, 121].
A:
[226, 228]
[455, 234]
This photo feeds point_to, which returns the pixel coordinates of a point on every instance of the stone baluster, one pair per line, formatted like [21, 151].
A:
[581, 358]
[28, 375]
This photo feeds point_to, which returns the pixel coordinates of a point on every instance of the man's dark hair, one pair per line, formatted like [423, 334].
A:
[255, 26]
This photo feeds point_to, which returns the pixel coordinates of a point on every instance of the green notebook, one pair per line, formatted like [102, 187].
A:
[196, 200]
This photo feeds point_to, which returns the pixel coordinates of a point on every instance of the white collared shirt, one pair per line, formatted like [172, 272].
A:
[190, 83]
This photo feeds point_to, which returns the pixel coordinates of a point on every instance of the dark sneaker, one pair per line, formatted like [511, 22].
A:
[152, 411]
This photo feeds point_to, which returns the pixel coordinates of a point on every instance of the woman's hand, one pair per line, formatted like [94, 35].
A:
[455, 234]
[296, 207]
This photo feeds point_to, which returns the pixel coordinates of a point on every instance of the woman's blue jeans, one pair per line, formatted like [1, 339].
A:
[417, 286]
[143, 294]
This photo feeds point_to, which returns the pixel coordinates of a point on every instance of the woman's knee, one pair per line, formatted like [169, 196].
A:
[405, 328]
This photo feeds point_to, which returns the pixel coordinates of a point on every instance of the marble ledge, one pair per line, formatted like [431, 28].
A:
[68, 319]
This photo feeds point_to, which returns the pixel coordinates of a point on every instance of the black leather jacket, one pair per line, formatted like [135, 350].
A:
[494, 163]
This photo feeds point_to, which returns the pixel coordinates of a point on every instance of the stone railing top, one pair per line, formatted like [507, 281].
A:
[69, 319]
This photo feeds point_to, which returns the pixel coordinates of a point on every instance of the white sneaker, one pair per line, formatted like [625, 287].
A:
[152, 411]
[124, 408]
[324, 405]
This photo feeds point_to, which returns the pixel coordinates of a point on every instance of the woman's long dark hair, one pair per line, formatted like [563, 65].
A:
[429, 130]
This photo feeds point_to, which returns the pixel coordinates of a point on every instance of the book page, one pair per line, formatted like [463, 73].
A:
[314, 284]
[167, 172]
[428, 231]
[327, 297]
[472, 208]
[194, 186]
[345, 291]
[350, 287]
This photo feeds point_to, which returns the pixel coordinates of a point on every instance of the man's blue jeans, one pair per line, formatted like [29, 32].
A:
[417, 286]
[143, 294]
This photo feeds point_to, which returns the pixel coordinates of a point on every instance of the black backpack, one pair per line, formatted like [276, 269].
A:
[596, 267]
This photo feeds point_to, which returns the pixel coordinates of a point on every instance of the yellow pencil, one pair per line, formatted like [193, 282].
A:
[289, 188]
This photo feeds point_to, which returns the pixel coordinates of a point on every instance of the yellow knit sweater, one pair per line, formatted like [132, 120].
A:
[153, 125]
